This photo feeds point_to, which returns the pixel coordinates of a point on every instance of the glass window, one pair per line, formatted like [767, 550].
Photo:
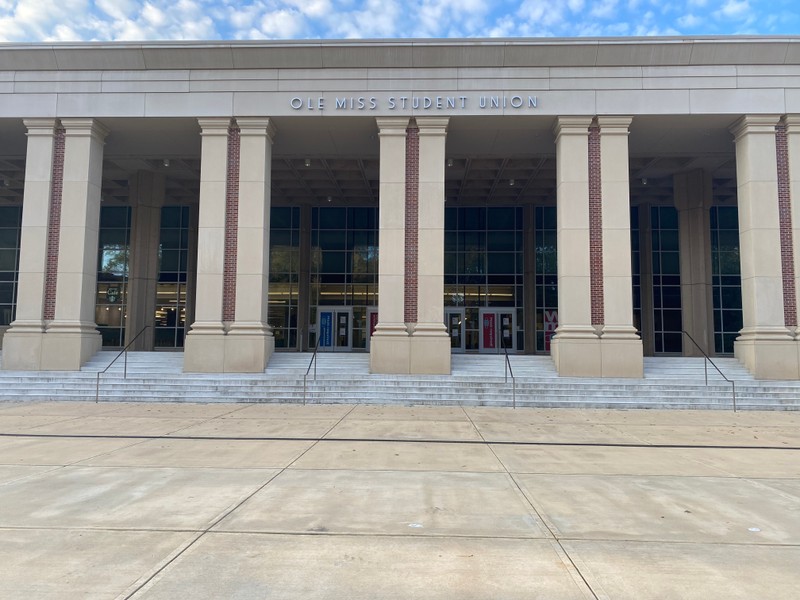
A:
[667, 317]
[727, 282]
[113, 255]
[170, 317]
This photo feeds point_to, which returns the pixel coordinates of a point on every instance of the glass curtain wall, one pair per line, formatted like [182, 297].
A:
[113, 255]
[284, 269]
[667, 319]
[344, 265]
[10, 226]
[636, 270]
[726, 278]
[546, 276]
[173, 251]
[483, 265]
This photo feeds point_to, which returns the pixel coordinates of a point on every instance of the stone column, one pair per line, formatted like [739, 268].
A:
[389, 347]
[595, 336]
[621, 346]
[71, 337]
[146, 198]
[430, 342]
[249, 342]
[205, 343]
[766, 344]
[22, 343]
[575, 347]
[693, 199]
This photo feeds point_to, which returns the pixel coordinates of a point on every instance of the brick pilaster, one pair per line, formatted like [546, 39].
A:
[412, 223]
[786, 231]
[596, 226]
[231, 225]
[54, 225]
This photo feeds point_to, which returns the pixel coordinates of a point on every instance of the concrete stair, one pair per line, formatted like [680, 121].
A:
[476, 380]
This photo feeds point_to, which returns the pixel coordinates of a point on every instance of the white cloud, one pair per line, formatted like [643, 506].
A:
[689, 20]
[282, 24]
[605, 9]
[735, 9]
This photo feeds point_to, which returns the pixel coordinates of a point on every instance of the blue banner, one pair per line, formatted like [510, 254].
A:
[325, 329]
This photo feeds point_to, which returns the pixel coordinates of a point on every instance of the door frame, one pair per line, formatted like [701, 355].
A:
[336, 311]
[498, 329]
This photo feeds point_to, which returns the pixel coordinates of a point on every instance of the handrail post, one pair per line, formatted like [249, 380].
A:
[733, 387]
[97, 389]
[125, 368]
[705, 368]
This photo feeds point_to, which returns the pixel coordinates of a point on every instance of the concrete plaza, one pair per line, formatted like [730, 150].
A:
[255, 501]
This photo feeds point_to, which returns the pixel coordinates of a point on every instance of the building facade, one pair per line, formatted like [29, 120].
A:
[598, 200]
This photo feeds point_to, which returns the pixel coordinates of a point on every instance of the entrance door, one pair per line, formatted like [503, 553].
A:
[497, 330]
[335, 328]
[454, 321]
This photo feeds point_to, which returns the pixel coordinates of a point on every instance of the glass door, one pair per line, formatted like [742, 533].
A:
[454, 321]
[335, 328]
[497, 330]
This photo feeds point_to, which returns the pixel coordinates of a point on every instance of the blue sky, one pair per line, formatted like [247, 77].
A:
[103, 20]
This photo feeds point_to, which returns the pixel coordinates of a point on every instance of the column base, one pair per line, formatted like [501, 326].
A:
[430, 351]
[770, 358]
[22, 351]
[597, 357]
[227, 353]
[389, 354]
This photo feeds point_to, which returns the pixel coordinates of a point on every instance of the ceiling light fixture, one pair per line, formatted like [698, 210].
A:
[165, 162]
[511, 182]
[307, 162]
[449, 162]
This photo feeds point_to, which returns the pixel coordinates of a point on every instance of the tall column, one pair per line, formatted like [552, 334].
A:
[620, 344]
[389, 347]
[22, 343]
[693, 198]
[204, 350]
[766, 343]
[595, 336]
[430, 343]
[146, 198]
[575, 347]
[250, 342]
[71, 337]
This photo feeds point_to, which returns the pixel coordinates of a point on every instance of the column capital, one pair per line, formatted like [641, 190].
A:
[432, 125]
[614, 125]
[214, 126]
[572, 126]
[85, 127]
[392, 125]
[257, 126]
[749, 124]
[42, 127]
[792, 123]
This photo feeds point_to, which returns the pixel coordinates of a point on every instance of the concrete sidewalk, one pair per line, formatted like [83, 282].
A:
[216, 501]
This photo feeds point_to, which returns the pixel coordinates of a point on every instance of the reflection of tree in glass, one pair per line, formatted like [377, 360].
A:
[114, 259]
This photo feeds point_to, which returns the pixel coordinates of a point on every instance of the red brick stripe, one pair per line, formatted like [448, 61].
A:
[785, 215]
[596, 227]
[54, 225]
[412, 221]
[231, 226]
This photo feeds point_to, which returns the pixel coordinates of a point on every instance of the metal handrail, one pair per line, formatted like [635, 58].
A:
[313, 361]
[508, 371]
[705, 368]
[125, 369]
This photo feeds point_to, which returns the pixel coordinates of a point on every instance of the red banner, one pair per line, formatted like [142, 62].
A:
[489, 331]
